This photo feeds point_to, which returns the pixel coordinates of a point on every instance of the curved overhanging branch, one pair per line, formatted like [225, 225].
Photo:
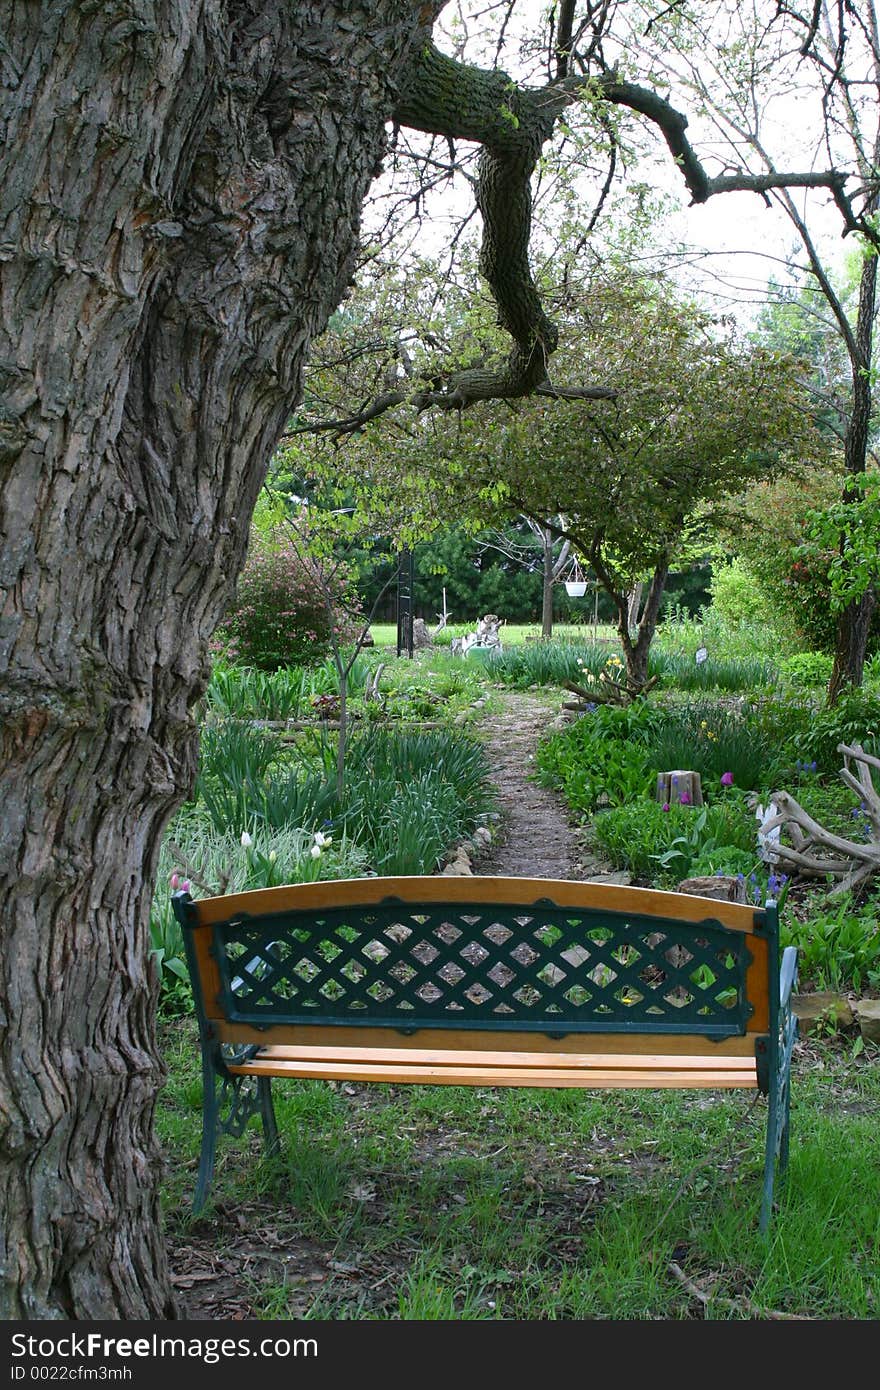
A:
[451, 397]
[445, 97]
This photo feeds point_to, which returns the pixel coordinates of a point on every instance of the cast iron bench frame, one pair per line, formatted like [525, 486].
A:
[486, 982]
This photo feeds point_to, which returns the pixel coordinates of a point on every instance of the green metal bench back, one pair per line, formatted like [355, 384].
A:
[540, 967]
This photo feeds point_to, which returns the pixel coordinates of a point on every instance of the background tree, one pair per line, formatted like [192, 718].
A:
[766, 528]
[555, 554]
[698, 413]
[826, 59]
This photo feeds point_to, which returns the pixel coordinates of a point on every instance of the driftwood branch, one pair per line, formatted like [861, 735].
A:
[607, 691]
[818, 852]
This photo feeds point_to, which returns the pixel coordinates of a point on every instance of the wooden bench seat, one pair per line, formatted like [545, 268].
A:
[486, 982]
[460, 1068]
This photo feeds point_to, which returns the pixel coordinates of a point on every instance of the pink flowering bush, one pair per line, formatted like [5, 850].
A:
[279, 616]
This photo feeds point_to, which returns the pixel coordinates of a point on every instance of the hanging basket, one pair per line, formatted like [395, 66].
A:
[575, 584]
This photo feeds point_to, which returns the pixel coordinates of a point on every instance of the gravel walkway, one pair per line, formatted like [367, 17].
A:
[536, 839]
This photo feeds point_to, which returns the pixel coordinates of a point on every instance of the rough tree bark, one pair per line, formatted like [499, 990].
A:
[180, 186]
[636, 643]
[552, 569]
[636, 650]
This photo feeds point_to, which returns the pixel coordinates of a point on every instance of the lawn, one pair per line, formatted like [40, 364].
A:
[448, 1203]
[512, 634]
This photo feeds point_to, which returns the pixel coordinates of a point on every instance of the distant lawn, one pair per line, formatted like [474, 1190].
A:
[385, 634]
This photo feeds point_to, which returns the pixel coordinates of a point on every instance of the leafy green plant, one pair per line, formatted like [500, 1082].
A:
[665, 844]
[279, 616]
[166, 948]
[854, 719]
[605, 773]
[838, 945]
[724, 639]
[599, 760]
[735, 596]
[805, 669]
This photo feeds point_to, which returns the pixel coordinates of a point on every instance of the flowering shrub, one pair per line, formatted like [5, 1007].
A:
[279, 616]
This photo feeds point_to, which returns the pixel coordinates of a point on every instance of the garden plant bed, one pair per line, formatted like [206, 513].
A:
[541, 1205]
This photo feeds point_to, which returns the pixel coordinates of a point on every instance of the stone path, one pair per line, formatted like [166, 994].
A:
[536, 837]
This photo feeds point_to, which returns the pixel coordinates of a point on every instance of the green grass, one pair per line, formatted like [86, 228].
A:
[446, 1203]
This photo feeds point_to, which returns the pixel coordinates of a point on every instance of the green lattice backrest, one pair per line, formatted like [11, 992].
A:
[542, 967]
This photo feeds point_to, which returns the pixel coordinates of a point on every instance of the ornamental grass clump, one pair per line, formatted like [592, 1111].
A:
[715, 741]
[715, 673]
[245, 778]
[549, 663]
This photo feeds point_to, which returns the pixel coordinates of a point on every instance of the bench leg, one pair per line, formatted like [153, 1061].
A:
[228, 1103]
[778, 1119]
[267, 1112]
[770, 1151]
[210, 1113]
[786, 1128]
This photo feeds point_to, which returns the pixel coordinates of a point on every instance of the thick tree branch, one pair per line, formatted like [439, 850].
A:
[462, 102]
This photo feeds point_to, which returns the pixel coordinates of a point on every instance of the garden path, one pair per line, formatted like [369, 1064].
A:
[537, 839]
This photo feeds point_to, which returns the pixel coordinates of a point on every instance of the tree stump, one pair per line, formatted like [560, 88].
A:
[727, 887]
[679, 788]
[421, 635]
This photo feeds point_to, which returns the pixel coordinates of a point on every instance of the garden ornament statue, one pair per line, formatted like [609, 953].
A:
[487, 636]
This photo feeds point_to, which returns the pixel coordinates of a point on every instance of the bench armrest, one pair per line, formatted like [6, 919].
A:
[787, 974]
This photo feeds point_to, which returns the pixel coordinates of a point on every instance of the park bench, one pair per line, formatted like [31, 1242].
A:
[486, 982]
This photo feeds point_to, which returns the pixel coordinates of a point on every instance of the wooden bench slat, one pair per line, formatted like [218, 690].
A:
[438, 1056]
[498, 1075]
[358, 1037]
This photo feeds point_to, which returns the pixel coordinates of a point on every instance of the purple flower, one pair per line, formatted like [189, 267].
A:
[685, 798]
[666, 806]
[727, 779]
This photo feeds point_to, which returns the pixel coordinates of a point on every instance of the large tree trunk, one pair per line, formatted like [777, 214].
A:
[180, 187]
[637, 646]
